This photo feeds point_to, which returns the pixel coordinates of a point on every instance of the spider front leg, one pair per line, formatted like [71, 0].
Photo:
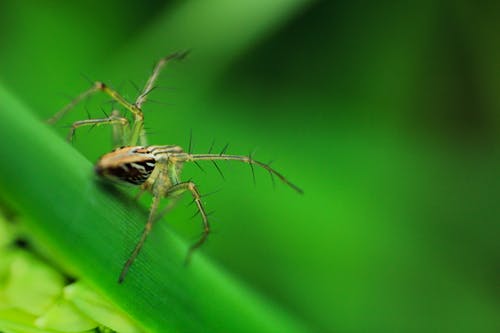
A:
[136, 135]
[174, 192]
[145, 233]
[120, 126]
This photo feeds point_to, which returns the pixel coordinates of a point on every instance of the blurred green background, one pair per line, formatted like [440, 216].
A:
[385, 113]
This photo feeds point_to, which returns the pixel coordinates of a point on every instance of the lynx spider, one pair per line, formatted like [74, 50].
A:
[155, 169]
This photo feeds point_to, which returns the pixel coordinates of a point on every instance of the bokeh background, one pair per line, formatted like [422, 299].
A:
[385, 113]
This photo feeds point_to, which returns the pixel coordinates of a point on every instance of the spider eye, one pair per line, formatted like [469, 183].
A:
[134, 173]
[118, 148]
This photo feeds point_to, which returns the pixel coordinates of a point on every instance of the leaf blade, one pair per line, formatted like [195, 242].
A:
[90, 232]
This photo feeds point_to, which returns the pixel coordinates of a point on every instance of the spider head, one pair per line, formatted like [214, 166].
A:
[132, 165]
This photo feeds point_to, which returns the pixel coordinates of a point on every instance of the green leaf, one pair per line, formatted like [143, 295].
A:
[64, 317]
[32, 286]
[90, 231]
[94, 306]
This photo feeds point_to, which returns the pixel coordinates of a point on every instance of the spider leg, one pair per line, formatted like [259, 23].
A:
[145, 233]
[183, 157]
[72, 104]
[120, 126]
[154, 76]
[137, 133]
[178, 189]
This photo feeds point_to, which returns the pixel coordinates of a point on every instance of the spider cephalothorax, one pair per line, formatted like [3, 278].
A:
[155, 169]
[127, 164]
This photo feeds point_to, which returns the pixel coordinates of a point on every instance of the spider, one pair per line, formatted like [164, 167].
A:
[155, 169]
